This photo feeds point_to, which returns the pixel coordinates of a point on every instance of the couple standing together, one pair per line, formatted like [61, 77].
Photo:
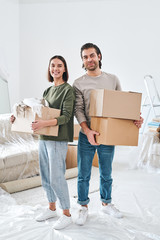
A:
[53, 150]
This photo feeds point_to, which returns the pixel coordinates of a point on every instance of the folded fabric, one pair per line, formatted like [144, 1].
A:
[155, 124]
[156, 119]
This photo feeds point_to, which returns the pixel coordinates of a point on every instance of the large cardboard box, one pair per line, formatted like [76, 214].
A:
[25, 118]
[114, 131]
[115, 104]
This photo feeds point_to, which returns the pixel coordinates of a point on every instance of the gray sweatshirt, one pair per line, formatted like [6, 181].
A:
[83, 87]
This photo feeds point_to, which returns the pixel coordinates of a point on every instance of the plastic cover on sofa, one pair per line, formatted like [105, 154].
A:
[18, 153]
[149, 153]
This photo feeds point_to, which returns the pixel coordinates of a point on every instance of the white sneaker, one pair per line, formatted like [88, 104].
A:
[82, 216]
[46, 215]
[62, 222]
[111, 210]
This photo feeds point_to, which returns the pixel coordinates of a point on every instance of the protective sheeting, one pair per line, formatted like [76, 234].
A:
[135, 192]
[149, 152]
[18, 153]
[19, 157]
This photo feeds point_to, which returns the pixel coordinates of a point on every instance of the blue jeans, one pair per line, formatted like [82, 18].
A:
[86, 153]
[52, 160]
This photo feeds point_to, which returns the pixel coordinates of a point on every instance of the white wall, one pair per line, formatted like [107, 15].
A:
[127, 32]
[9, 45]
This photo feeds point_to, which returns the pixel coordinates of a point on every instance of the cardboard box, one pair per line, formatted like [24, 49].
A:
[114, 131]
[115, 104]
[25, 118]
[76, 131]
[95, 160]
[71, 159]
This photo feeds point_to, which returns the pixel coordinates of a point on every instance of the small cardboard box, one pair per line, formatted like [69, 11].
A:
[25, 118]
[76, 131]
[71, 159]
[95, 160]
[114, 131]
[115, 104]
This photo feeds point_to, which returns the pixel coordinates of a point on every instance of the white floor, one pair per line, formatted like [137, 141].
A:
[135, 192]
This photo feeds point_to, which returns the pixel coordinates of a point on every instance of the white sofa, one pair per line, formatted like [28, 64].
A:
[19, 165]
[18, 153]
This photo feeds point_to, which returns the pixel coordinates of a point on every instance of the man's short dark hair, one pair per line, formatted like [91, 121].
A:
[91, 45]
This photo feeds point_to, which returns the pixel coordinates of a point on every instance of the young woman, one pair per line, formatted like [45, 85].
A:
[53, 150]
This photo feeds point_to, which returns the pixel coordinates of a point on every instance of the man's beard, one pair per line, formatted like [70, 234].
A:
[92, 68]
